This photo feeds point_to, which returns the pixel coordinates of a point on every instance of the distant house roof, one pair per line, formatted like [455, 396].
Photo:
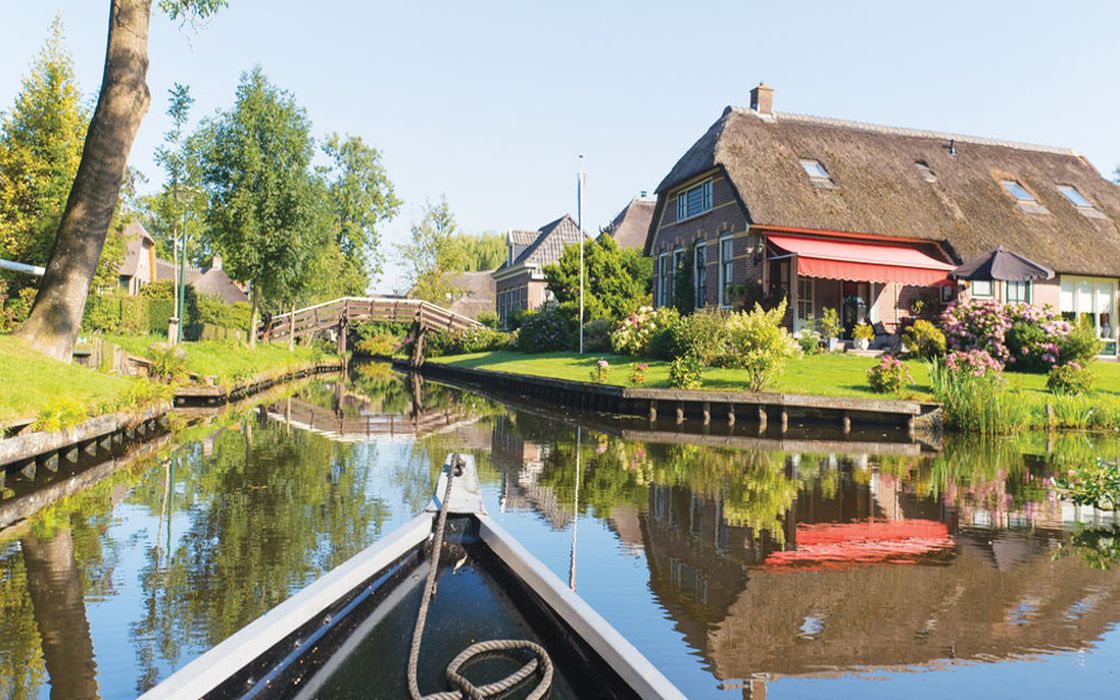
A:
[478, 291]
[543, 246]
[135, 236]
[630, 228]
[216, 282]
[917, 184]
[165, 270]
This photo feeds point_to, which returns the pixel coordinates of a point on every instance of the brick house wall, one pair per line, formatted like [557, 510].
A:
[520, 291]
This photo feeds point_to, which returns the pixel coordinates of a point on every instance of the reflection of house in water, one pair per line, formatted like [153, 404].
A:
[521, 462]
[981, 595]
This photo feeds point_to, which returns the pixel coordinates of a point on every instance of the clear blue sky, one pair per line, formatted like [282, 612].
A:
[491, 102]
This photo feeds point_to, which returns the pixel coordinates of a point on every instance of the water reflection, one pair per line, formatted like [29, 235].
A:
[766, 561]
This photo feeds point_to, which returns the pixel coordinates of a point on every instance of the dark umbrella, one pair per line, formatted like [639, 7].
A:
[1003, 265]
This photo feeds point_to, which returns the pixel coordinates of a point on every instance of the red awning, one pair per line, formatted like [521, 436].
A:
[862, 261]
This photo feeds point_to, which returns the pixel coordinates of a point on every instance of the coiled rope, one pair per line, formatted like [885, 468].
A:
[479, 650]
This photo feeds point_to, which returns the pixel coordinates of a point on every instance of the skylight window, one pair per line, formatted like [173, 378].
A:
[925, 171]
[1016, 190]
[815, 170]
[1074, 196]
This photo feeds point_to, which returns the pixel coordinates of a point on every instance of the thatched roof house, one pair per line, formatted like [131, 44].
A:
[138, 268]
[520, 282]
[212, 281]
[757, 174]
[630, 228]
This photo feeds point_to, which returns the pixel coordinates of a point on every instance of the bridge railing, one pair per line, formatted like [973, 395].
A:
[330, 314]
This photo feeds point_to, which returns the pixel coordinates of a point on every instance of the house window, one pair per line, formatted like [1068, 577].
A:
[1074, 196]
[663, 280]
[694, 201]
[726, 251]
[678, 267]
[806, 291]
[982, 289]
[700, 273]
[817, 173]
[1089, 300]
[1018, 292]
[1016, 190]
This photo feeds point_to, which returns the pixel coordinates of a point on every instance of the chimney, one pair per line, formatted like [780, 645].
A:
[762, 99]
[217, 262]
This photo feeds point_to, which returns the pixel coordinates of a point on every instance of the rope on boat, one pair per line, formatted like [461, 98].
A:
[479, 650]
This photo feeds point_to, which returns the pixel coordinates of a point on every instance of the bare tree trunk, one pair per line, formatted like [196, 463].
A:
[254, 298]
[56, 316]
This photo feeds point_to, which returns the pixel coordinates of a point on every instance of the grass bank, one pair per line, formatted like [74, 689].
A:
[37, 387]
[227, 361]
[833, 375]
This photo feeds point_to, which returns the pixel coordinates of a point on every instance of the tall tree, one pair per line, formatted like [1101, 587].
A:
[431, 253]
[265, 211]
[360, 196]
[40, 146]
[122, 102]
[613, 282]
[484, 251]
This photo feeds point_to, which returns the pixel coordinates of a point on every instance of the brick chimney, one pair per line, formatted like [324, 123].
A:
[762, 99]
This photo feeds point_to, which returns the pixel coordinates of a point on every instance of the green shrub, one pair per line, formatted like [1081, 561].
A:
[864, 331]
[686, 372]
[973, 396]
[59, 414]
[760, 344]
[600, 372]
[488, 319]
[638, 373]
[1080, 345]
[830, 323]
[116, 313]
[809, 341]
[890, 376]
[212, 310]
[462, 342]
[544, 330]
[169, 363]
[379, 345]
[634, 334]
[1023, 341]
[597, 336]
[923, 339]
[1096, 484]
[704, 334]
[1070, 378]
[663, 343]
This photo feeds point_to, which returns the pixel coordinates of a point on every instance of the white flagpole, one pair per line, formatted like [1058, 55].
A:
[579, 222]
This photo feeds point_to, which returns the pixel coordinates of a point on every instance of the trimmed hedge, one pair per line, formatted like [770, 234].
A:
[149, 313]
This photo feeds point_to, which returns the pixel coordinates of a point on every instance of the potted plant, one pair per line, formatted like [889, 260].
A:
[830, 328]
[864, 334]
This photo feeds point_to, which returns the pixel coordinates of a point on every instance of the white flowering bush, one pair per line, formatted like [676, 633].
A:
[635, 333]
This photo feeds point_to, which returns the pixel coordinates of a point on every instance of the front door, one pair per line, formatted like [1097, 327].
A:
[855, 301]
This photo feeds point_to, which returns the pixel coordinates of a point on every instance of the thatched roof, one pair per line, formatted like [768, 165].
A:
[879, 188]
[216, 282]
[630, 227]
[135, 236]
[545, 245]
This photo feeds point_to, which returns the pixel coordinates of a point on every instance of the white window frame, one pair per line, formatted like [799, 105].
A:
[700, 273]
[683, 212]
[1028, 292]
[726, 264]
[990, 294]
[811, 299]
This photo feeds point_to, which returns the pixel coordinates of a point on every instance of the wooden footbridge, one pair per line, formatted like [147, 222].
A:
[337, 315]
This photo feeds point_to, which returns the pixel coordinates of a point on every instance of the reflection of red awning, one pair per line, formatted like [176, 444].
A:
[862, 261]
[838, 545]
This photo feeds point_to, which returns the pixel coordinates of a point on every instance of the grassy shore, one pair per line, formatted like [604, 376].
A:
[831, 375]
[228, 362]
[34, 383]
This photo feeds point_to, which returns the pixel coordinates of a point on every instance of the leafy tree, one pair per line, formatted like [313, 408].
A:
[432, 252]
[266, 213]
[484, 251]
[40, 146]
[684, 292]
[611, 289]
[122, 102]
[179, 207]
[360, 196]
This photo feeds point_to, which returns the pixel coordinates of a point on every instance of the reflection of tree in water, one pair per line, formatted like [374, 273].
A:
[21, 663]
[272, 512]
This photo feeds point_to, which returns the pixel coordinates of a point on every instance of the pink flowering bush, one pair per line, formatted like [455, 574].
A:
[977, 363]
[1019, 335]
[638, 373]
[890, 376]
[634, 334]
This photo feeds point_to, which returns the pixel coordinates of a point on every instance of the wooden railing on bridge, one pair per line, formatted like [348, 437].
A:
[339, 313]
[362, 427]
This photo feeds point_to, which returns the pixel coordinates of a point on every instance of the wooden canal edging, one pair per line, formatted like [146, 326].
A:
[707, 406]
[197, 394]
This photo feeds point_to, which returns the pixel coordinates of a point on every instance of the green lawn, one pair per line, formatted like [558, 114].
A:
[32, 382]
[825, 374]
[227, 361]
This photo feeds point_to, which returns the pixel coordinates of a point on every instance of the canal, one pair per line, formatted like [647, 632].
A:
[740, 567]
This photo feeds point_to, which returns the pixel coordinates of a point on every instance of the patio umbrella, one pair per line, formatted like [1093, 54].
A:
[1003, 265]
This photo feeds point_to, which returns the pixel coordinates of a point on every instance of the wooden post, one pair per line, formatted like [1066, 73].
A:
[652, 411]
[343, 326]
[680, 413]
[418, 347]
[50, 461]
[761, 419]
[28, 470]
[910, 425]
[707, 408]
[731, 414]
[785, 420]
[90, 448]
[845, 422]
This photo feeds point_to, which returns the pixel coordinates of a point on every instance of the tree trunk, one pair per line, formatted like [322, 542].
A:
[254, 298]
[292, 329]
[56, 316]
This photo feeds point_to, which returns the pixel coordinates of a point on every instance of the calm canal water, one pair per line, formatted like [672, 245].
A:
[741, 568]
